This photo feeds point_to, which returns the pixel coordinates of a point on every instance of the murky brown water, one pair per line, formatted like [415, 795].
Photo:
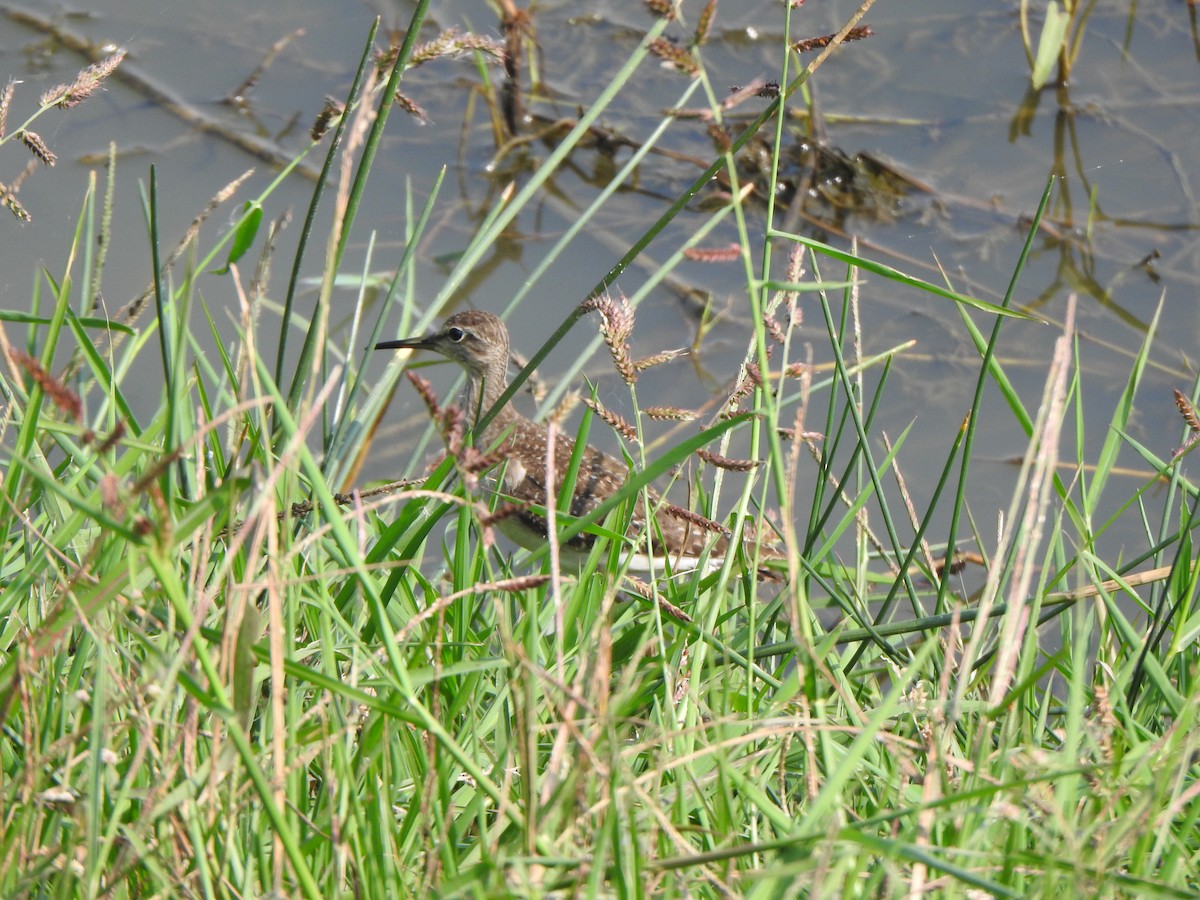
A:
[939, 95]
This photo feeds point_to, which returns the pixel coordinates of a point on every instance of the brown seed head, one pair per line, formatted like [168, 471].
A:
[774, 329]
[727, 253]
[819, 43]
[331, 111]
[425, 390]
[674, 56]
[413, 108]
[60, 395]
[671, 413]
[704, 23]
[453, 43]
[616, 327]
[622, 427]
[86, 83]
[559, 414]
[14, 205]
[662, 8]
[37, 147]
[5, 101]
[694, 518]
[724, 462]
[1187, 411]
[648, 362]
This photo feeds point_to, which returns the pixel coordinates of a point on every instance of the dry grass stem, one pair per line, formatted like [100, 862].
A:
[909, 507]
[1044, 448]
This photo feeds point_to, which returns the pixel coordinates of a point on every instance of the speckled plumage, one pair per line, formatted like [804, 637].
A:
[478, 341]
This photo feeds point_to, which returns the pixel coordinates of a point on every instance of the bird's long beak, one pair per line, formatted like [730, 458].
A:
[418, 343]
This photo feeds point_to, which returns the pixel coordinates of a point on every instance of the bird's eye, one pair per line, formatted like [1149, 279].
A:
[456, 335]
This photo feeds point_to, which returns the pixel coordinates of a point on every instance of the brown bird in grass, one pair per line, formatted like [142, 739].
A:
[478, 341]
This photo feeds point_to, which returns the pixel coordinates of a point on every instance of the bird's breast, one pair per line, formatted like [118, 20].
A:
[514, 474]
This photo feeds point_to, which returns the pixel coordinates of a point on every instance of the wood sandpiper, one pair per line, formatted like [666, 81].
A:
[478, 341]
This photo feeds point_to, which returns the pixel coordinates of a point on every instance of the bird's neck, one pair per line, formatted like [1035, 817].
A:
[482, 393]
